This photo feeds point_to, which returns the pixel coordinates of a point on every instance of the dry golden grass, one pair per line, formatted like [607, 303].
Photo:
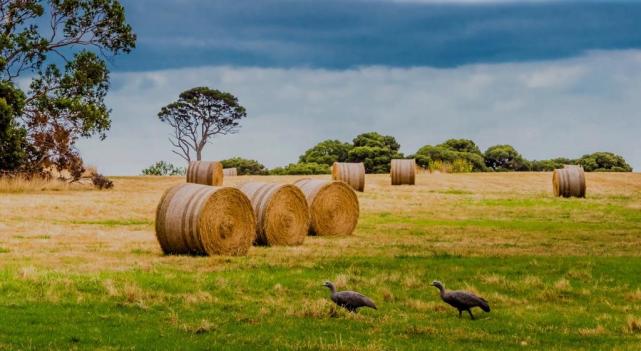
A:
[113, 230]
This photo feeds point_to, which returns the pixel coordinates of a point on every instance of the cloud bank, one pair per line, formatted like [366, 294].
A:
[545, 109]
[346, 34]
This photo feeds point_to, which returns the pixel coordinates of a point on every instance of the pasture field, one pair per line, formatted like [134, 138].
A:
[81, 269]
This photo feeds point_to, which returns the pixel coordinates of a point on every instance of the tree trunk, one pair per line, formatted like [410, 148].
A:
[198, 154]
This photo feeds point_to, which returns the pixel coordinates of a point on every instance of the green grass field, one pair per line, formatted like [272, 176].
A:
[82, 270]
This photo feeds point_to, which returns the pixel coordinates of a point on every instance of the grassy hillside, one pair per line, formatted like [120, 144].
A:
[82, 269]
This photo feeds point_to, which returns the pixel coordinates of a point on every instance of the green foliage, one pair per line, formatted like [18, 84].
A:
[327, 152]
[461, 145]
[450, 151]
[376, 151]
[505, 158]
[198, 115]
[245, 166]
[62, 105]
[604, 162]
[13, 142]
[550, 165]
[162, 168]
[301, 169]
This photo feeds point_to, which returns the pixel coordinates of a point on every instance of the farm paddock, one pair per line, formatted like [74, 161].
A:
[82, 269]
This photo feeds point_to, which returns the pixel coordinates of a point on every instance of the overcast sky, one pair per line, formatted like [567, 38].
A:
[552, 78]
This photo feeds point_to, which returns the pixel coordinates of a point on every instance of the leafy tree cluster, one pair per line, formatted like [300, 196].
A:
[301, 169]
[373, 149]
[65, 100]
[245, 166]
[162, 168]
[450, 151]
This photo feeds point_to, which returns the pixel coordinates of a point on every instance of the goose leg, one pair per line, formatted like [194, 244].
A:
[460, 313]
[471, 315]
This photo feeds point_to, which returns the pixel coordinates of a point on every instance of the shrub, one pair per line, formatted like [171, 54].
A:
[447, 154]
[245, 166]
[458, 166]
[550, 165]
[102, 182]
[327, 152]
[162, 168]
[505, 158]
[301, 169]
[604, 162]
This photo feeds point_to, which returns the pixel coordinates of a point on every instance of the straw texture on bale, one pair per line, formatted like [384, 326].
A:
[569, 181]
[282, 214]
[351, 173]
[205, 172]
[204, 220]
[333, 206]
[403, 171]
[230, 172]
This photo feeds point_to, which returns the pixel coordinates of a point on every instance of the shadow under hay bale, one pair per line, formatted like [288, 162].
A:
[204, 220]
[351, 173]
[569, 181]
[230, 172]
[403, 171]
[282, 214]
[205, 172]
[333, 206]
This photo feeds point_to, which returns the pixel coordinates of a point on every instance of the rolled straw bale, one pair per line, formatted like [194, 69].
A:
[350, 173]
[403, 171]
[205, 172]
[204, 220]
[569, 181]
[333, 206]
[230, 172]
[282, 214]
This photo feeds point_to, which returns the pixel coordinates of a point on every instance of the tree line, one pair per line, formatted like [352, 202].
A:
[453, 155]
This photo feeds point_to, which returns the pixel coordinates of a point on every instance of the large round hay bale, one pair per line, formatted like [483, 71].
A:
[205, 172]
[403, 171]
[282, 214]
[569, 181]
[204, 220]
[333, 206]
[230, 172]
[350, 173]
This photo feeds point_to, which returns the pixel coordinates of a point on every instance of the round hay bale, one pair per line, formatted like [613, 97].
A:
[205, 172]
[333, 206]
[569, 181]
[403, 171]
[351, 173]
[230, 172]
[204, 220]
[282, 215]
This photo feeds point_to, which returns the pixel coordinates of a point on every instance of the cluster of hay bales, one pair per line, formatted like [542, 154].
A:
[569, 181]
[205, 173]
[403, 171]
[351, 173]
[203, 218]
[230, 172]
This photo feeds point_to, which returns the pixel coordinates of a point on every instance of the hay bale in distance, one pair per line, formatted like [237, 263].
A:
[569, 181]
[204, 220]
[205, 172]
[403, 171]
[230, 172]
[282, 214]
[351, 173]
[333, 206]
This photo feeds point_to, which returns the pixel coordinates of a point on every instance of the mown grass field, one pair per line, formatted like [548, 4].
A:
[81, 269]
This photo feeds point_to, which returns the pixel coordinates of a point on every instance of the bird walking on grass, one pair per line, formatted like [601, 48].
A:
[461, 300]
[350, 300]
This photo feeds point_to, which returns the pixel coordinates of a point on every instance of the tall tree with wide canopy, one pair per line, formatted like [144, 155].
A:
[61, 45]
[198, 115]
